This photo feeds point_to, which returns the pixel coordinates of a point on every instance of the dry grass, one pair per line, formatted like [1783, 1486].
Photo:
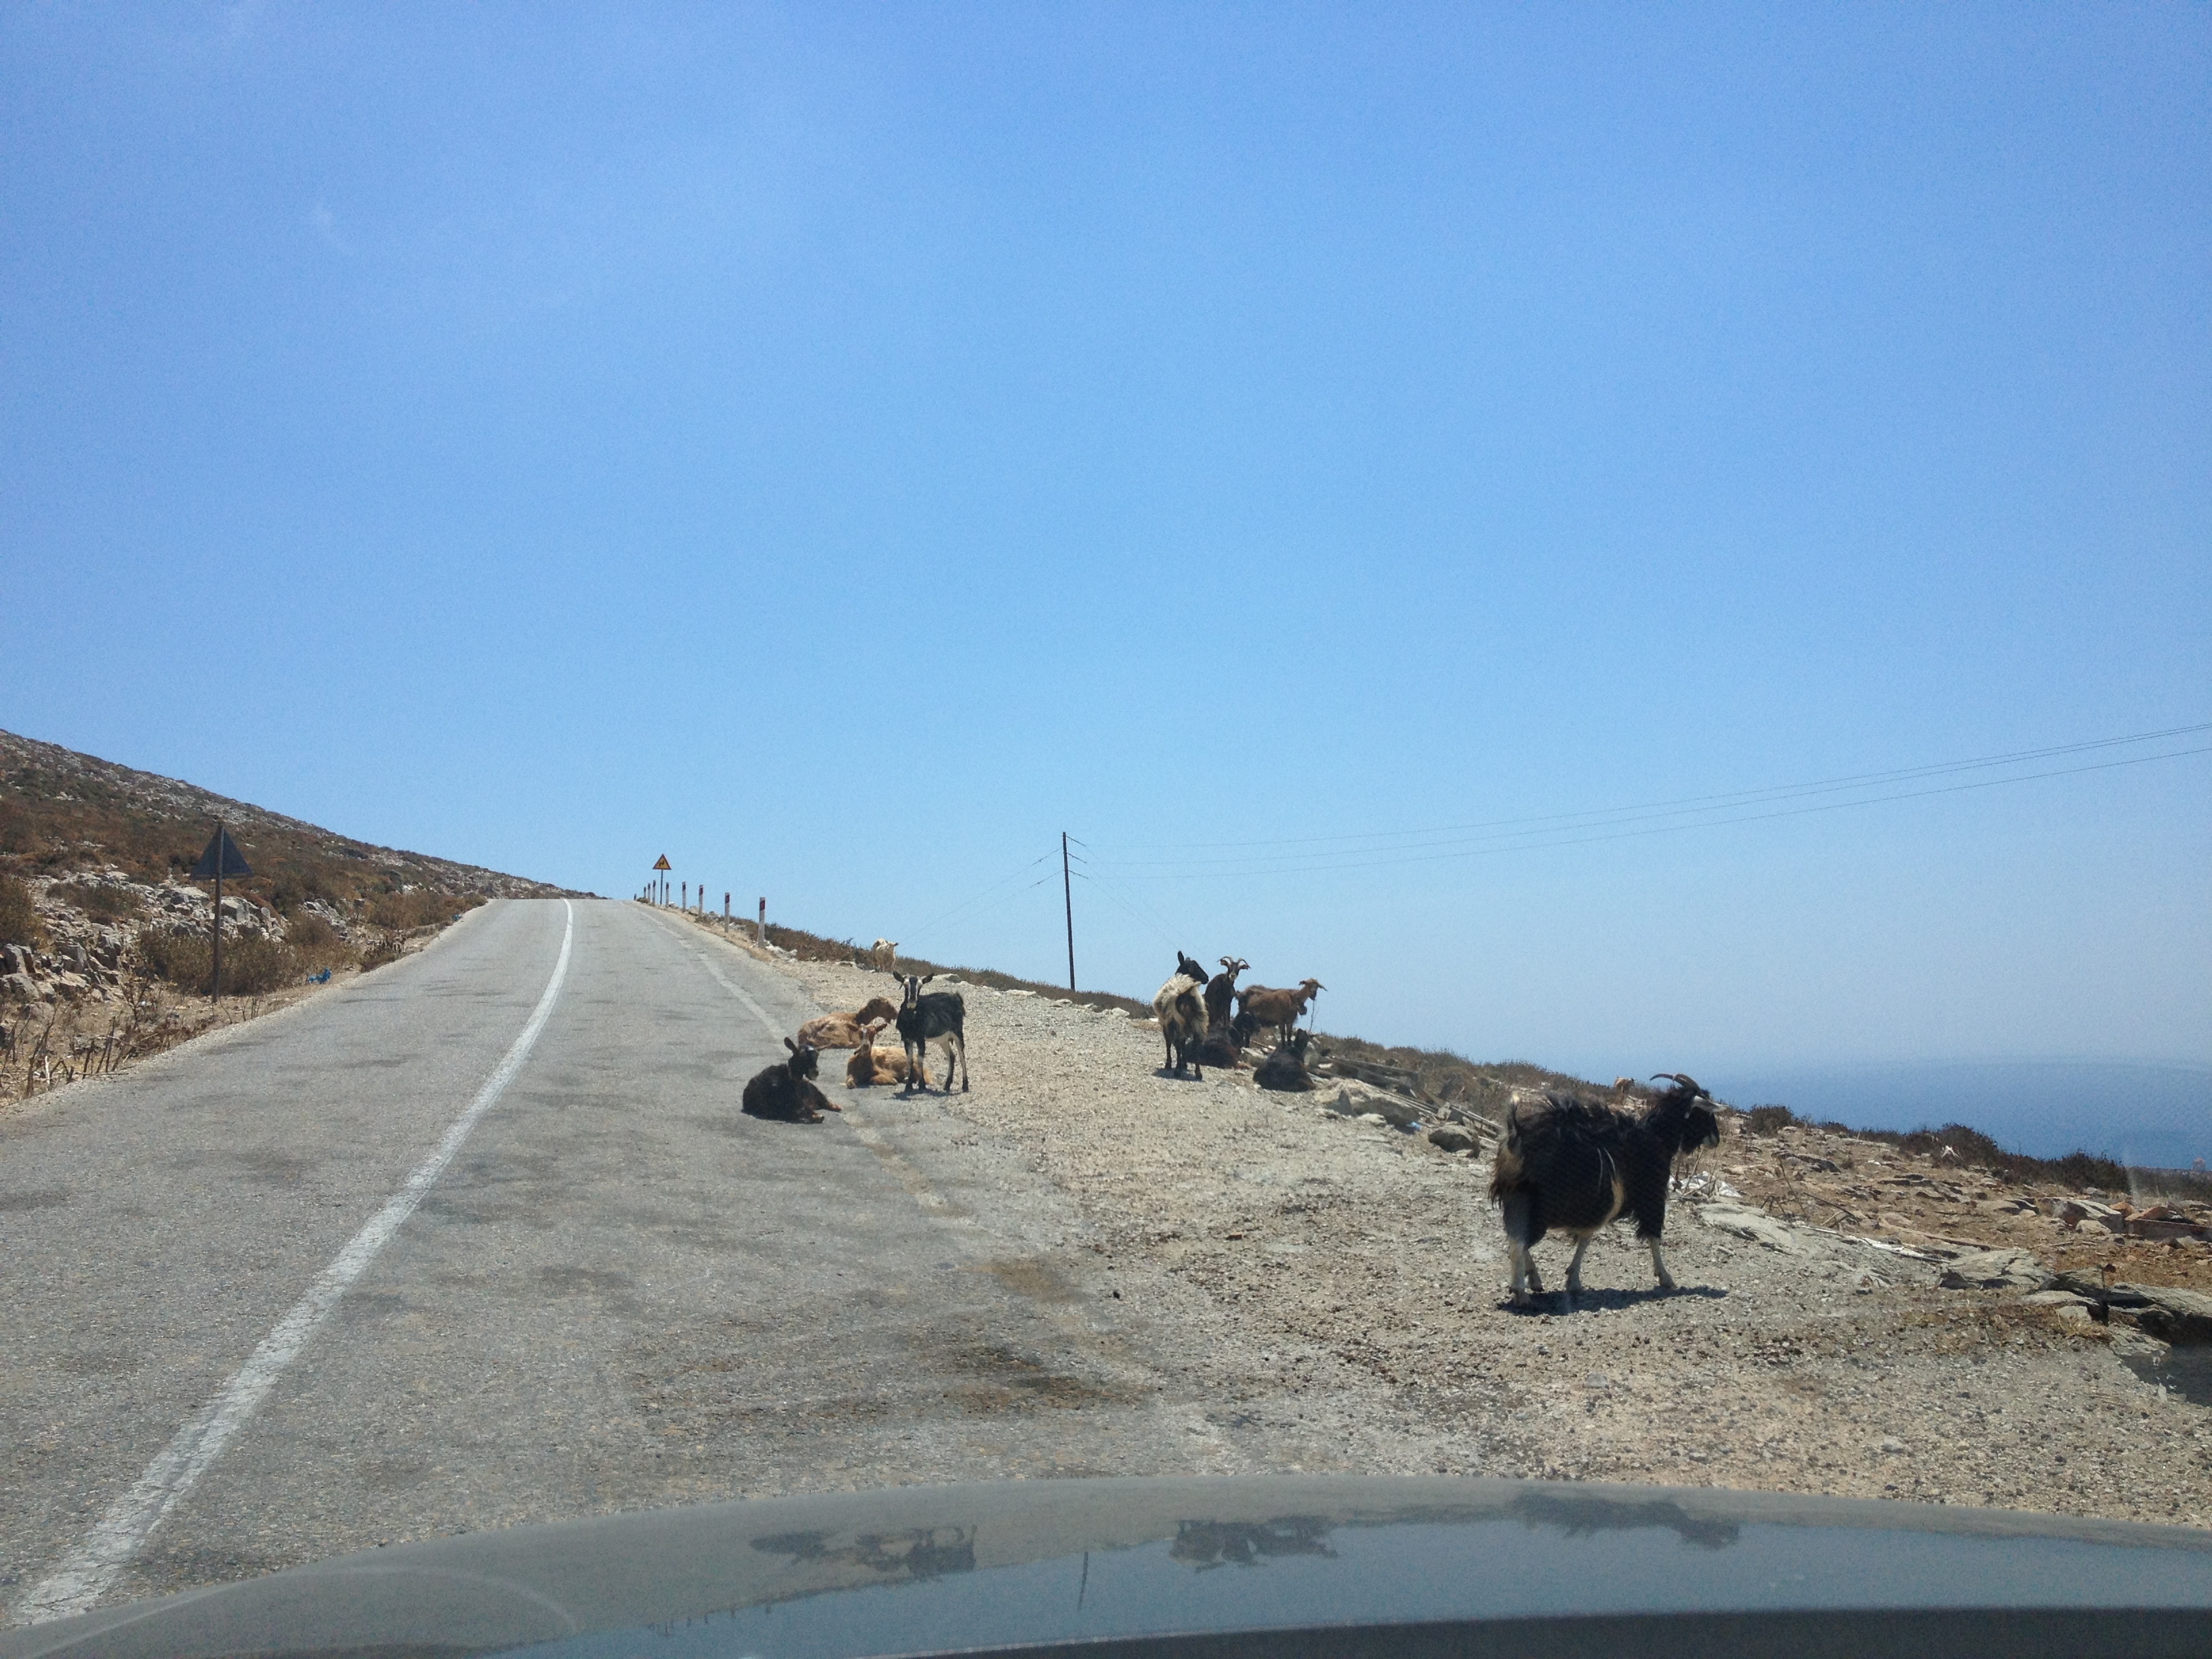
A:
[19, 914]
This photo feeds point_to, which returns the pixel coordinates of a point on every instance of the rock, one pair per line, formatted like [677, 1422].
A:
[2071, 1212]
[1353, 1100]
[1890, 1447]
[1758, 1226]
[21, 986]
[2054, 1299]
[1454, 1139]
[1996, 1270]
[2181, 1317]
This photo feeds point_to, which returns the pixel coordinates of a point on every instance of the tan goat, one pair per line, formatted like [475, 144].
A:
[844, 1030]
[871, 1065]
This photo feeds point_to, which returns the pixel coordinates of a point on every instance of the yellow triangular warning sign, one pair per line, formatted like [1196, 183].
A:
[662, 863]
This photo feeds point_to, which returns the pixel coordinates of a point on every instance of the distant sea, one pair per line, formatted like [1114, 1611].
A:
[2148, 1112]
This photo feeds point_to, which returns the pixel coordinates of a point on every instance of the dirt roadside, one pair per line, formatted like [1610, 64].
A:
[1818, 1362]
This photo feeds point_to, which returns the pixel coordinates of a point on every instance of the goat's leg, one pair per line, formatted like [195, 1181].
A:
[1575, 1267]
[1659, 1264]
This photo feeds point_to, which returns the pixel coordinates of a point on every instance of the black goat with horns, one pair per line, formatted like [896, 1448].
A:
[1573, 1165]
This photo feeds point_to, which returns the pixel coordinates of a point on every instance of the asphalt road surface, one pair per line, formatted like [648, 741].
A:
[239, 1340]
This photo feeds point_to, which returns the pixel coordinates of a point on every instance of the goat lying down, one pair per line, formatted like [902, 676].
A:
[846, 1030]
[871, 1065]
[787, 1091]
[1574, 1165]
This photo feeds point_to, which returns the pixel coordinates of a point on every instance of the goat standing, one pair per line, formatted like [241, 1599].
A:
[1180, 1008]
[940, 1017]
[1575, 1165]
[1280, 1009]
[1221, 992]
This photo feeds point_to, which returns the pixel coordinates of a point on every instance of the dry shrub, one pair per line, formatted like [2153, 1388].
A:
[19, 916]
[252, 965]
[423, 907]
[315, 944]
[1768, 1120]
[386, 949]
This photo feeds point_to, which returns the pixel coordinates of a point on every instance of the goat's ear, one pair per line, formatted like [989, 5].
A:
[789, 1044]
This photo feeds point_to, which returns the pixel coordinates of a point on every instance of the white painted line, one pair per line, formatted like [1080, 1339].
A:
[732, 985]
[87, 1573]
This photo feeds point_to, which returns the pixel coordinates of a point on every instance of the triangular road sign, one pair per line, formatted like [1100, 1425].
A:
[221, 858]
[662, 863]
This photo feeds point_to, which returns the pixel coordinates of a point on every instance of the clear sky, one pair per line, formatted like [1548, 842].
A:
[842, 447]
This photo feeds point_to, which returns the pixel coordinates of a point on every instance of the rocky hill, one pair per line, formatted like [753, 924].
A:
[62, 812]
[104, 938]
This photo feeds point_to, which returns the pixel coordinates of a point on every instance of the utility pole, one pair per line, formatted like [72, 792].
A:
[1067, 895]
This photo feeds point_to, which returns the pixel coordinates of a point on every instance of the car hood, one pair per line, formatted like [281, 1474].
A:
[1155, 1566]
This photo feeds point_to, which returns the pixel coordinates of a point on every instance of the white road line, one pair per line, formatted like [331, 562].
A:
[87, 1573]
[732, 987]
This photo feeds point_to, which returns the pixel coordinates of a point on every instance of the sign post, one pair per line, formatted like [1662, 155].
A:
[221, 859]
[661, 883]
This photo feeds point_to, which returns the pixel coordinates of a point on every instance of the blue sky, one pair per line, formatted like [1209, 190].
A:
[843, 447]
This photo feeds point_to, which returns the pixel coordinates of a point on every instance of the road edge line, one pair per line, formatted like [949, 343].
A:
[91, 1570]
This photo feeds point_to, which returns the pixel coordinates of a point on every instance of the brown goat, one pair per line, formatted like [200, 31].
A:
[871, 1065]
[1280, 1009]
[844, 1030]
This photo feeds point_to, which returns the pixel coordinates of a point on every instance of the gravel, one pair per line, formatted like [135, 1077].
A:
[1363, 1265]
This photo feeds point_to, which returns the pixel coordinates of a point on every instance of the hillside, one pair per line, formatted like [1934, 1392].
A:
[62, 812]
[104, 939]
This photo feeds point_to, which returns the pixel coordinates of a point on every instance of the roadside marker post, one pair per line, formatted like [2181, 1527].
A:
[760, 927]
[221, 859]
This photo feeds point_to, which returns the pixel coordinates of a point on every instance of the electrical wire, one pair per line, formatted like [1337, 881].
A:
[1464, 833]
[1529, 840]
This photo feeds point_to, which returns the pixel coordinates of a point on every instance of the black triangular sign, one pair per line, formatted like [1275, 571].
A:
[224, 848]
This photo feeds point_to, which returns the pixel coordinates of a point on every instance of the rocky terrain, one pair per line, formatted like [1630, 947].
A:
[1852, 1319]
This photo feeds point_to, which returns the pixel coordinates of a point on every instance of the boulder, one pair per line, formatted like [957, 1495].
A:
[1454, 1139]
[1355, 1100]
[1996, 1270]
[2181, 1317]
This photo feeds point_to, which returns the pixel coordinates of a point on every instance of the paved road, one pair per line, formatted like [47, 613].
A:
[619, 1293]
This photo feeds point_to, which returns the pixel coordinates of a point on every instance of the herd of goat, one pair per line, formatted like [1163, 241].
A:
[1566, 1163]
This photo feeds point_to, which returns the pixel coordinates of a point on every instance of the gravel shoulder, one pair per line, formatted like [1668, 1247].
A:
[1353, 1277]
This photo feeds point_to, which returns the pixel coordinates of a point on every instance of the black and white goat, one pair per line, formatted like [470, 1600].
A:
[786, 1091]
[940, 1017]
[1573, 1165]
[1180, 1008]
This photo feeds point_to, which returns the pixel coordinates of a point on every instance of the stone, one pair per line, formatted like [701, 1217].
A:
[20, 986]
[1355, 1100]
[1454, 1139]
[1996, 1270]
[1758, 1226]
[2178, 1316]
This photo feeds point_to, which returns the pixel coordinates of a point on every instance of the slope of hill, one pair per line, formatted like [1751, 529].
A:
[62, 812]
[105, 947]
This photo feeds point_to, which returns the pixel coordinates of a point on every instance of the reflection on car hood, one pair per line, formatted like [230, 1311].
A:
[1375, 1565]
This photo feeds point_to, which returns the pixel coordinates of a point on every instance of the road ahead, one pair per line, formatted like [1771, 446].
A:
[619, 1293]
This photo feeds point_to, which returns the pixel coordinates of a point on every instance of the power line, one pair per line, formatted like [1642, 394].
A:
[1520, 843]
[1679, 806]
[945, 917]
